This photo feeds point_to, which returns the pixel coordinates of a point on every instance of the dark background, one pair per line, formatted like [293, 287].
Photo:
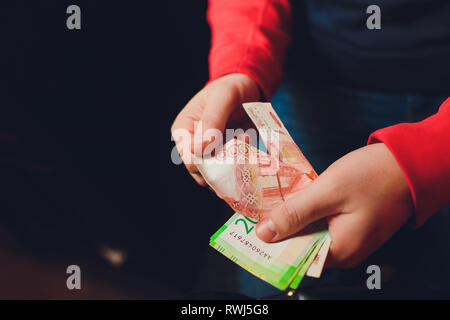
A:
[85, 148]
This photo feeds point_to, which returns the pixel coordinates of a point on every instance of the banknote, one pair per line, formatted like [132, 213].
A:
[315, 270]
[253, 183]
[245, 177]
[279, 142]
[277, 263]
[308, 262]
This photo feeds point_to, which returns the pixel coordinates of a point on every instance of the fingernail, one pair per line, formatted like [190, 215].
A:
[266, 230]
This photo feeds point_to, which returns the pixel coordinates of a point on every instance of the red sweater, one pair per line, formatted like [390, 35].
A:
[251, 37]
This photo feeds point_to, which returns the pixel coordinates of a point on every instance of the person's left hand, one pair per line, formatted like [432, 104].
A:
[365, 196]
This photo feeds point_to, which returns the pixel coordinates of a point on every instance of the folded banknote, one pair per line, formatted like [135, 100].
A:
[253, 183]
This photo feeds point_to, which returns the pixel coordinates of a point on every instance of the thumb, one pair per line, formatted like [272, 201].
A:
[316, 201]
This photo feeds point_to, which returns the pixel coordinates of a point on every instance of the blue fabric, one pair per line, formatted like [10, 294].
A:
[329, 122]
[409, 54]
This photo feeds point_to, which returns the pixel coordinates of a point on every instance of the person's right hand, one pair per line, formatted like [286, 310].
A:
[217, 106]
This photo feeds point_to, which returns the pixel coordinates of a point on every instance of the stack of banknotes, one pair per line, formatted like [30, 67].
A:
[253, 182]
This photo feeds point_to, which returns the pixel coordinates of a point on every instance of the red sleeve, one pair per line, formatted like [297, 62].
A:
[250, 37]
[422, 150]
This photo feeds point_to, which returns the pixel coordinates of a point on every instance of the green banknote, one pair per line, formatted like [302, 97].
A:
[307, 262]
[281, 264]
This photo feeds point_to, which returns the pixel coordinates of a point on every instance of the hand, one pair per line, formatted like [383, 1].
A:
[218, 106]
[365, 197]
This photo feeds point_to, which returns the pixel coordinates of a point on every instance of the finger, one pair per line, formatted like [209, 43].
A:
[316, 201]
[199, 179]
[216, 112]
[189, 163]
[353, 239]
[183, 130]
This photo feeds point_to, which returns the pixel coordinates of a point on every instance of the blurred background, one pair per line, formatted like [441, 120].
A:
[86, 176]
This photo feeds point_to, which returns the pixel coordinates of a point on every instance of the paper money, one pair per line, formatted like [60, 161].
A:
[277, 263]
[245, 177]
[279, 143]
[315, 270]
[307, 263]
[253, 183]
